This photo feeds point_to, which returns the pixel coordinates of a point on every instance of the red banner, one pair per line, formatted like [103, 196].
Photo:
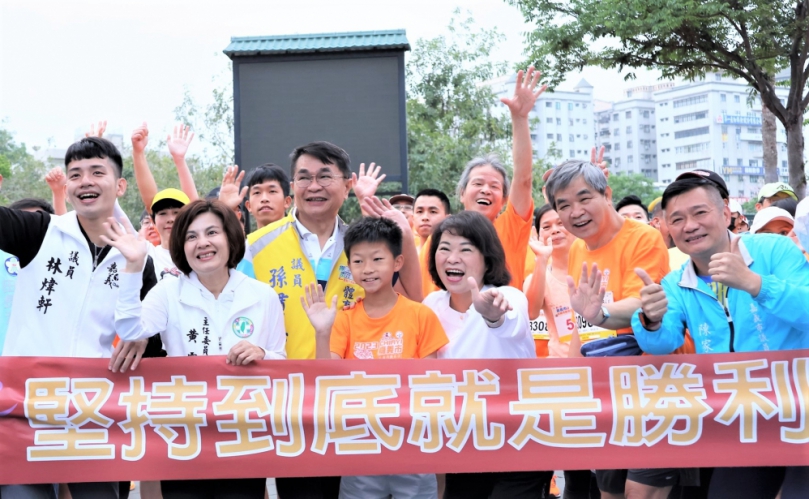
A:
[67, 420]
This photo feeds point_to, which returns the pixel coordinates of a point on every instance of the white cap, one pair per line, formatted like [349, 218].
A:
[735, 207]
[769, 214]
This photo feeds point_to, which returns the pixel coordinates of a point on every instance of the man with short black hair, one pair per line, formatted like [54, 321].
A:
[743, 293]
[430, 208]
[268, 196]
[633, 208]
[69, 278]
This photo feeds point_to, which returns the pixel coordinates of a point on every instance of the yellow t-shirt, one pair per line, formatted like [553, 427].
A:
[635, 245]
[409, 331]
[514, 233]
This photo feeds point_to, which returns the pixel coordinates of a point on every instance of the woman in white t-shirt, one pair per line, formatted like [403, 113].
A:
[484, 318]
[210, 309]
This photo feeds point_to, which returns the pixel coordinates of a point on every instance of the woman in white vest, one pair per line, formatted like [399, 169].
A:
[211, 309]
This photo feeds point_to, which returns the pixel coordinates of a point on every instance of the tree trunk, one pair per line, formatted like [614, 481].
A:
[797, 177]
[769, 144]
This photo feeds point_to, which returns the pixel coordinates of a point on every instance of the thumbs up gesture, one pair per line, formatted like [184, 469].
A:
[653, 300]
[729, 269]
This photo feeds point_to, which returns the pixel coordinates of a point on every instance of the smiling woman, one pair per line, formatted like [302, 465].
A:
[212, 309]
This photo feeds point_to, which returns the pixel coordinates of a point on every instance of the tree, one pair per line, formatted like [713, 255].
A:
[451, 112]
[23, 175]
[633, 183]
[747, 39]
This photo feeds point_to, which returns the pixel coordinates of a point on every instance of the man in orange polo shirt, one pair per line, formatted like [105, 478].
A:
[603, 286]
[485, 187]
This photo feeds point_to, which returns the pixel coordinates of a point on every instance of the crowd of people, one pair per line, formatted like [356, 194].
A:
[579, 276]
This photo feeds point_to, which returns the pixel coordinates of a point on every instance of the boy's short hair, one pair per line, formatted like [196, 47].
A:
[480, 232]
[438, 194]
[95, 147]
[325, 152]
[269, 172]
[230, 224]
[374, 230]
[32, 203]
[632, 200]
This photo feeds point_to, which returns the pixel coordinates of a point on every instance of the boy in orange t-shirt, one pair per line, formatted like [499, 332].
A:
[384, 325]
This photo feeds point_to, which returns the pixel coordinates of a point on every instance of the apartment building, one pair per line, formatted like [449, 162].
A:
[713, 124]
[563, 120]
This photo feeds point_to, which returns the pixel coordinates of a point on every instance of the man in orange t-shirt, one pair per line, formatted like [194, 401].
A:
[484, 187]
[603, 286]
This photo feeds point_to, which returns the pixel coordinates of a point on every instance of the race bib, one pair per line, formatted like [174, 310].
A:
[539, 327]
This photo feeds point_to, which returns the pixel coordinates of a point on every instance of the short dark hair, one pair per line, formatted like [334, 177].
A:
[438, 194]
[679, 187]
[374, 230]
[539, 213]
[95, 147]
[269, 172]
[630, 201]
[325, 152]
[189, 213]
[145, 214]
[788, 204]
[480, 232]
[29, 203]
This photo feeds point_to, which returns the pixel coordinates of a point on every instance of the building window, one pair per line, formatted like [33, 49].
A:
[550, 136]
[783, 164]
[693, 148]
[559, 137]
[629, 144]
[629, 159]
[628, 114]
[584, 105]
[736, 99]
[753, 162]
[615, 117]
[629, 130]
[572, 153]
[725, 161]
[570, 106]
[690, 101]
[617, 146]
[584, 121]
[617, 132]
[549, 121]
[691, 132]
[645, 114]
[549, 104]
[570, 120]
[585, 136]
[571, 137]
[558, 105]
[617, 161]
[690, 165]
[683, 118]
[559, 121]
[752, 179]
[723, 98]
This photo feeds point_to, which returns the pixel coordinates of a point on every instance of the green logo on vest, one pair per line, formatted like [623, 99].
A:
[243, 327]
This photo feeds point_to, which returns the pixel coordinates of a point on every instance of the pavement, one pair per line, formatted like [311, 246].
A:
[135, 494]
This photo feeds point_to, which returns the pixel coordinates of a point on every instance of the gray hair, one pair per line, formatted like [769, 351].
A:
[491, 160]
[570, 170]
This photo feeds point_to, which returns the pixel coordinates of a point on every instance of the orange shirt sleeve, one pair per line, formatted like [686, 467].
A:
[340, 334]
[431, 335]
[514, 232]
[650, 254]
[427, 284]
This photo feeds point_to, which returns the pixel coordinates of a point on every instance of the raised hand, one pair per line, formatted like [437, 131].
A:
[131, 244]
[179, 140]
[730, 270]
[56, 180]
[539, 247]
[140, 138]
[229, 192]
[525, 95]
[490, 304]
[367, 183]
[102, 127]
[381, 208]
[653, 300]
[320, 315]
[597, 158]
[588, 298]
[244, 353]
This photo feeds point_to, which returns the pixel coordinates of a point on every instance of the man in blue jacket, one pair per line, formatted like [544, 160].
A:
[736, 294]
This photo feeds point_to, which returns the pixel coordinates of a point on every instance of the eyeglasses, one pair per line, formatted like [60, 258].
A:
[323, 180]
[404, 207]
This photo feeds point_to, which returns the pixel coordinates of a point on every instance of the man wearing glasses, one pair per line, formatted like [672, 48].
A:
[303, 248]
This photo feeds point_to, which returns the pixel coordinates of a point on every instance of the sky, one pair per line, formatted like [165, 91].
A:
[66, 64]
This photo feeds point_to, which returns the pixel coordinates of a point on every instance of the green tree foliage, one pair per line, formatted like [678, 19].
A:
[747, 39]
[23, 175]
[451, 112]
[633, 183]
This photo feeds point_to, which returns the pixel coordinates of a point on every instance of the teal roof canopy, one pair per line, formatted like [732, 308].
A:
[317, 43]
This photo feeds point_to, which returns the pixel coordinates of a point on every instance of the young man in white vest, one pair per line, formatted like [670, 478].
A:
[67, 279]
